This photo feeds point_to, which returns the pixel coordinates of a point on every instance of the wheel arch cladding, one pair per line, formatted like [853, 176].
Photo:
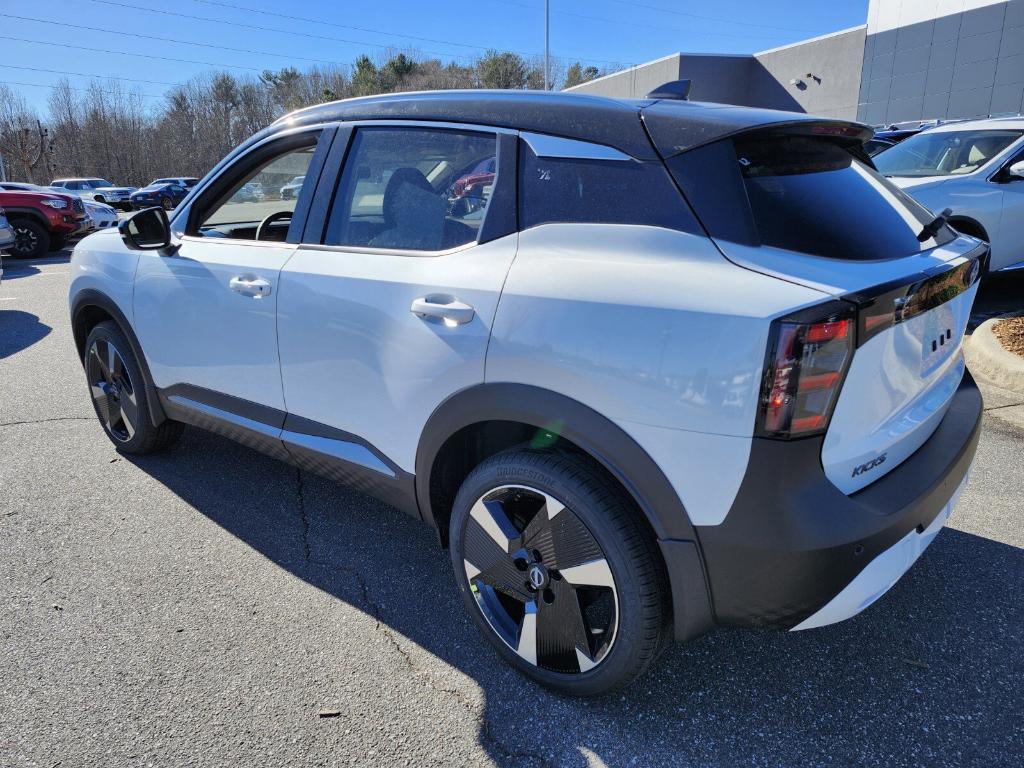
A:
[969, 226]
[90, 308]
[483, 420]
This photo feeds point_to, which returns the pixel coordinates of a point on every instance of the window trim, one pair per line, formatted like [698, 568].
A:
[185, 222]
[506, 141]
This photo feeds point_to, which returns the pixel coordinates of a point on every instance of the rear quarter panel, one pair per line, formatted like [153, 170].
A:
[653, 329]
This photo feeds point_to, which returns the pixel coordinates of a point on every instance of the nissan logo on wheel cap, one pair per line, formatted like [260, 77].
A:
[538, 575]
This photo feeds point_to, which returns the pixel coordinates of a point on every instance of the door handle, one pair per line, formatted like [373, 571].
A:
[445, 308]
[256, 287]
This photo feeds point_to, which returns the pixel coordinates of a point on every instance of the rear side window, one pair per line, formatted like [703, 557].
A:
[561, 189]
[413, 189]
[801, 193]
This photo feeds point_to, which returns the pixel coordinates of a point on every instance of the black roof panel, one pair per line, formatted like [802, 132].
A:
[612, 122]
[674, 126]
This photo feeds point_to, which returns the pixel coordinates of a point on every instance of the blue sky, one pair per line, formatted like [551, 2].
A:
[600, 32]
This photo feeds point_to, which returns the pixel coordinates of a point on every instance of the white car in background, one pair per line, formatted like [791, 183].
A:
[100, 190]
[974, 168]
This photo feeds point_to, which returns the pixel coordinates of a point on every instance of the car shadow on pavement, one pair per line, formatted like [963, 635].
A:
[19, 330]
[929, 675]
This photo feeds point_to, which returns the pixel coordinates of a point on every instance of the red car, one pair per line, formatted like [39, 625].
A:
[42, 221]
[480, 176]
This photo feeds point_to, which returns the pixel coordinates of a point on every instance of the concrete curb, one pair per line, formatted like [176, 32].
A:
[989, 360]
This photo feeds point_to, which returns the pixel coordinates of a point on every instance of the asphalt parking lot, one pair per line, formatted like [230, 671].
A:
[201, 607]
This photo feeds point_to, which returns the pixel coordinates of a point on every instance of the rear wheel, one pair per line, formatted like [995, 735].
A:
[558, 572]
[31, 239]
[118, 392]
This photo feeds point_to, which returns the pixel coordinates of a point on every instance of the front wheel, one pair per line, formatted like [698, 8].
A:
[166, 203]
[118, 392]
[31, 239]
[558, 572]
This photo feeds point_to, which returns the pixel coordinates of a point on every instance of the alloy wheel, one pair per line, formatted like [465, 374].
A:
[541, 579]
[166, 203]
[112, 390]
[25, 241]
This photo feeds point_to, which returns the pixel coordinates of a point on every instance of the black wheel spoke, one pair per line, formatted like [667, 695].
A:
[562, 634]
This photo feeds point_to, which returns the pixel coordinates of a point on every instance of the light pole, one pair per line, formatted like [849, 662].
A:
[547, 18]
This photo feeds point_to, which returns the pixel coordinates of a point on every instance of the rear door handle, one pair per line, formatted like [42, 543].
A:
[256, 287]
[445, 308]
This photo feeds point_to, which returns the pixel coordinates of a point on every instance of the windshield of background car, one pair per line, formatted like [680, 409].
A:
[944, 153]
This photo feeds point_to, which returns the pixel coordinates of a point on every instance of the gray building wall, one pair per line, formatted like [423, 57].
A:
[828, 71]
[827, 68]
[967, 64]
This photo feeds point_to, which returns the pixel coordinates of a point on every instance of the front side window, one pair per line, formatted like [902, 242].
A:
[252, 207]
[419, 189]
[944, 153]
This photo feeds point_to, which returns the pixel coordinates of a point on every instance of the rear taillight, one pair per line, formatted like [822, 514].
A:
[808, 355]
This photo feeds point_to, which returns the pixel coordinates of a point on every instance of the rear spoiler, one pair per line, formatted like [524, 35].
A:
[678, 126]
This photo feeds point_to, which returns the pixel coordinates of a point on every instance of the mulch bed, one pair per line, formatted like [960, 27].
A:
[1011, 334]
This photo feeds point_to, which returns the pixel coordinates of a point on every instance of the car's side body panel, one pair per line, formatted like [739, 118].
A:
[630, 321]
[197, 330]
[355, 357]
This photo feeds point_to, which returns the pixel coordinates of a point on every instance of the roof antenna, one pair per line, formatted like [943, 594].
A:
[679, 90]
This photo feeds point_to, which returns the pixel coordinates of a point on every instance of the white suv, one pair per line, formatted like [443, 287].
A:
[670, 365]
[974, 168]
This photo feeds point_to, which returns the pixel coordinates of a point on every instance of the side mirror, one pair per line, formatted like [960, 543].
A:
[147, 230]
[1015, 171]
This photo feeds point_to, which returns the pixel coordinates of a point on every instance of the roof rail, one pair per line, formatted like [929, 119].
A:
[673, 89]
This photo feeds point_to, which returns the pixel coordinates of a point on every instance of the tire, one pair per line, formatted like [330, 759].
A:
[32, 239]
[573, 565]
[57, 242]
[166, 203]
[99, 199]
[118, 392]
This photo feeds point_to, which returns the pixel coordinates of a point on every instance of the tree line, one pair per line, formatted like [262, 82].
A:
[113, 131]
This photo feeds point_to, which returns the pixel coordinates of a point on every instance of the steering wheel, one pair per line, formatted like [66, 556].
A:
[265, 225]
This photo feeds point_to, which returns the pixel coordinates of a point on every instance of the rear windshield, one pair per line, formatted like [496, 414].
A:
[812, 195]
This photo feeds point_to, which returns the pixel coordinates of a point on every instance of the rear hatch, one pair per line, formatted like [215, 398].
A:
[800, 201]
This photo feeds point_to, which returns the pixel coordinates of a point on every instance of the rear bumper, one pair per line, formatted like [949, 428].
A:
[796, 552]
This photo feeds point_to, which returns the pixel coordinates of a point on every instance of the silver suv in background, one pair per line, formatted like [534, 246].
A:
[100, 190]
[975, 169]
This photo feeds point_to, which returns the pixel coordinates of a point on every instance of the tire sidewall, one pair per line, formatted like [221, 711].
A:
[619, 665]
[109, 332]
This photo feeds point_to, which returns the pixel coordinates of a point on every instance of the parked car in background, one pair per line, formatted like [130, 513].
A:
[478, 177]
[182, 181]
[875, 145]
[687, 365]
[976, 169]
[42, 221]
[100, 190]
[291, 189]
[7, 238]
[100, 215]
[165, 194]
[252, 192]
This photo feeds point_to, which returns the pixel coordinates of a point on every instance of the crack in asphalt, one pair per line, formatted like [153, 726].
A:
[43, 421]
[998, 407]
[487, 735]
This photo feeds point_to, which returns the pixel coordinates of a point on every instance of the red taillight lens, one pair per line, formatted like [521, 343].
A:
[808, 357]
